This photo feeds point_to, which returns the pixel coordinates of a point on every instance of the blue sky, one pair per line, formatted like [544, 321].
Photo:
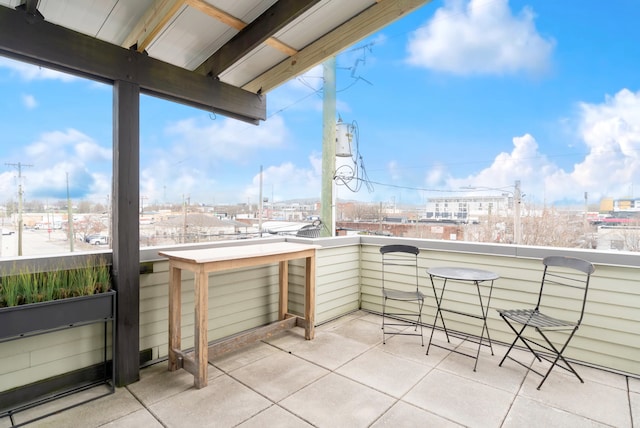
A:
[460, 93]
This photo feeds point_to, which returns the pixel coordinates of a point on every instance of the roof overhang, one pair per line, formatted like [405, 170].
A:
[213, 55]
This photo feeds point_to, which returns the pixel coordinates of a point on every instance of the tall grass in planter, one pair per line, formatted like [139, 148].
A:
[25, 286]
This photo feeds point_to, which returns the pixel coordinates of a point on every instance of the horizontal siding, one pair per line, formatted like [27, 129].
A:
[28, 360]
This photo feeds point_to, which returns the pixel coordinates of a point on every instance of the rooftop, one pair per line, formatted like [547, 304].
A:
[347, 377]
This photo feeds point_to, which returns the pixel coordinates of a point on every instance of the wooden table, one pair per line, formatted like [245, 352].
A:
[201, 263]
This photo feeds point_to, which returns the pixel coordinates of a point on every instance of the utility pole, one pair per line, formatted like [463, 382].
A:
[70, 217]
[260, 205]
[328, 144]
[184, 207]
[19, 165]
[517, 224]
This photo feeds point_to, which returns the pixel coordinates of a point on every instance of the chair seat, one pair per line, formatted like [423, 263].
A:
[402, 295]
[534, 318]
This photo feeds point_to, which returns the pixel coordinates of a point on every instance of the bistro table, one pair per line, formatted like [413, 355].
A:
[201, 263]
[469, 276]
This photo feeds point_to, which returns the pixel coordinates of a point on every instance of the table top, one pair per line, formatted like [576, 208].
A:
[207, 255]
[462, 273]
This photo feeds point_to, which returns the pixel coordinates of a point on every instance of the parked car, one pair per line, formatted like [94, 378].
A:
[100, 240]
[7, 231]
[88, 238]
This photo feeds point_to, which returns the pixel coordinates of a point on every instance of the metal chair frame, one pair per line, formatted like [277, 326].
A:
[397, 258]
[557, 271]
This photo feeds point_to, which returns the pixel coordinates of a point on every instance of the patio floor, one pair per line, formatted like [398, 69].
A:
[346, 377]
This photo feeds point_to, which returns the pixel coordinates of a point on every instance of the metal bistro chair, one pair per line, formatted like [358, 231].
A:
[310, 230]
[400, 260]
[571, 275]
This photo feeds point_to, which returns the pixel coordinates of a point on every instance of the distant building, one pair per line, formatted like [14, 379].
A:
[610, 205]
[467, 208]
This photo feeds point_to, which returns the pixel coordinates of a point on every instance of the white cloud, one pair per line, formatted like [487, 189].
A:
[611, 131]
[480, 37]
[394, 170]
[60, 156]
[29, 101]
[70, 145]
[226, 139]
[209, 160]
[30, 72]
[611, 134]
[288, 181]
[524, 163]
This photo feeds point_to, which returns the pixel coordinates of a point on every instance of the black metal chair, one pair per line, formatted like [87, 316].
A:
[562, 276]
[310, 230]
[399, 267]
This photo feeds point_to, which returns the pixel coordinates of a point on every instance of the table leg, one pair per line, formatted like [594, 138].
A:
[283, 306]
[175, 313]
[310, 298]
[201, 326]
[438, 312]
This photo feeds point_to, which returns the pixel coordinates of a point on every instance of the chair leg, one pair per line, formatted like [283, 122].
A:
[518, 337]
[384, 305]
[559, 356]
[420, 305]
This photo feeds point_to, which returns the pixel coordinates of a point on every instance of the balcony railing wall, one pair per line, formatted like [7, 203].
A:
[348, 278]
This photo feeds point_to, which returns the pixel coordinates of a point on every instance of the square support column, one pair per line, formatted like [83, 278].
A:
[125, 229]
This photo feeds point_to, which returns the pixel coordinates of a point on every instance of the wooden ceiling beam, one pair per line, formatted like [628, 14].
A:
[151, 23]
[366, 23]
[59, 48]
[257, 32]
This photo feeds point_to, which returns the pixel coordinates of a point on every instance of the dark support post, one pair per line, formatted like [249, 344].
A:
[125, 227]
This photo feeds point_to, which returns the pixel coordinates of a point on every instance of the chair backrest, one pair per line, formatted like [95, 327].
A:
[399, 260]
[310, 230]
[565, 278]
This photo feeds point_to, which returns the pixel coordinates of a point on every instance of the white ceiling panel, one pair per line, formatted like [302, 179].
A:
[190, 34]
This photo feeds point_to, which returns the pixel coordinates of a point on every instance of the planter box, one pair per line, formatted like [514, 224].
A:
[35, 318]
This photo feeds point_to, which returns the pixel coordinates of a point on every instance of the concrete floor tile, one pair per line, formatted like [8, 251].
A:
[509, 377]
[141, 418]
[223, 403]
[322, 350]
[157, 382]
[275, 417]
[287, 339]
[335, 401]
[92, 414]
[247, 355]
[362, 331]
[601, 376]
[410, 348]
[592, 400]
[527, 412]
[278, 375]
[461, 400]
[5, 422]
[405, 415]
[384, 372]
[634, 403]
[634, 384]
[330, 325]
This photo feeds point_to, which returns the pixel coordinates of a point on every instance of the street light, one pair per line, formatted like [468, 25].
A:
[517, 200]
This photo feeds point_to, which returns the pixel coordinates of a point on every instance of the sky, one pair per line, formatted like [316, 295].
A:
[459, 94]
